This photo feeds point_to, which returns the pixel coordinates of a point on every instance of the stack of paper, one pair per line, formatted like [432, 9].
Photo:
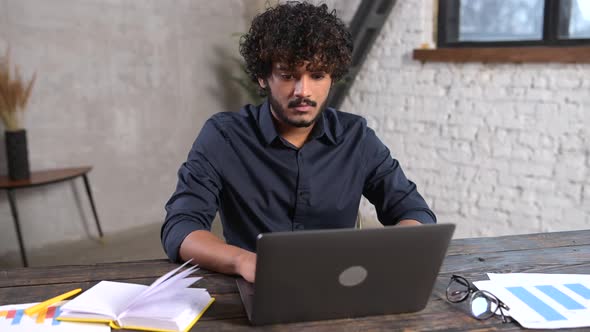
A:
[543, 301]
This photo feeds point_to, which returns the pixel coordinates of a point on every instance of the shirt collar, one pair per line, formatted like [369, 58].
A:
[265, 122]
[327, 125]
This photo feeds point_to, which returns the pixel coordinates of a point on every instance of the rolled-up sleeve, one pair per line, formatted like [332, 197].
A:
[394, 196]
[195, 201]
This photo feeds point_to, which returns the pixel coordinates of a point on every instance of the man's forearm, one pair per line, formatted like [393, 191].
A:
[212, 253]
[408, 222]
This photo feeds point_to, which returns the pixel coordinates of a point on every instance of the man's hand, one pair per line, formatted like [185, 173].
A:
[212, 253]
[246, 265]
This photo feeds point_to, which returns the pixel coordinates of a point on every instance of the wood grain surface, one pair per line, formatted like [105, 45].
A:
[562, 252]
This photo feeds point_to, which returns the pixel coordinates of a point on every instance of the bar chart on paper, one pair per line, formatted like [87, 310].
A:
[13, 318]
[543, 300]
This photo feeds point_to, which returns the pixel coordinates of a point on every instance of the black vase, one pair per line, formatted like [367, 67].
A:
[17, 154]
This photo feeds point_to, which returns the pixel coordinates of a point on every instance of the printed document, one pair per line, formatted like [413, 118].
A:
[13, 319]
[543, 301]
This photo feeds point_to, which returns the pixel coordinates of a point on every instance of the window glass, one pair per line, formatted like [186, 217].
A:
[501, 20]
[575, 17]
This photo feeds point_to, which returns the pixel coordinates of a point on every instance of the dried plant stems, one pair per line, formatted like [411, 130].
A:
[14, 94]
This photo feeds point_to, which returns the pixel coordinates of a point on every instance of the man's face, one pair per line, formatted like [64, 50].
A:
[297, 95]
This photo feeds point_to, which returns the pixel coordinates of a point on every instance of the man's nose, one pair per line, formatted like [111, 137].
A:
[302, 86]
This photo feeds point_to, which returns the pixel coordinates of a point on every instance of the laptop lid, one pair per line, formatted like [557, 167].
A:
[342, 273]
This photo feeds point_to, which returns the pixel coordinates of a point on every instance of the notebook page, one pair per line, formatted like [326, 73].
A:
[166, 276]
[158, 282]
[170, 289]
[161, 284]
[171, 281]
[170, 307]
[105, 298]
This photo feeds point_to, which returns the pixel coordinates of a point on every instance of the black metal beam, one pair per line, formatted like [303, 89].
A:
[365, 26]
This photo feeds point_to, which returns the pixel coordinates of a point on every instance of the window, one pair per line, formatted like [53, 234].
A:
[575, 19]
[490, 23]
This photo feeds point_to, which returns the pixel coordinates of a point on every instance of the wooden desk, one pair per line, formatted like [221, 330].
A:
[41, 178]
[565, 252]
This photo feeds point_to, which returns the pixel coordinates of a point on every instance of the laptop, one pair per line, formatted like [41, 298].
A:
[344, 273]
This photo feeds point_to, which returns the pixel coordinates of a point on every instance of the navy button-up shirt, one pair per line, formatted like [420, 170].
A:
[260, 182]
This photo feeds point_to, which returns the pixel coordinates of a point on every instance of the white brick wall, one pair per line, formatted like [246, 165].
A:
[496, 148]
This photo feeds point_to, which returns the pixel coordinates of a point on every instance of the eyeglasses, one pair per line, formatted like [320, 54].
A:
[482, 304]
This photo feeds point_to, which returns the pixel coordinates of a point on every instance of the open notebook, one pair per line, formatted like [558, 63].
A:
[168, 304]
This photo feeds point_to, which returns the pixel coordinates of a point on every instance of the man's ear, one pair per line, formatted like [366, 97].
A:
[262, 82]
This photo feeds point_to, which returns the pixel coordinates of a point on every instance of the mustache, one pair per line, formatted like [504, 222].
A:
[301, 102]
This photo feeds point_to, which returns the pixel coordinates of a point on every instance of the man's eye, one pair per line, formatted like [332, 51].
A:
[286, 76]
[318, 76]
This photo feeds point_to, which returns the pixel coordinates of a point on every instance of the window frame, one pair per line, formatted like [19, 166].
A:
[551, 28]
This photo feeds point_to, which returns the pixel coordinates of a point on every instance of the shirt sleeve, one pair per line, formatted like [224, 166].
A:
[394, 196]
[195, 201]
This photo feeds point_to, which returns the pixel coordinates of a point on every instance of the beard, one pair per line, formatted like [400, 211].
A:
[281, 112]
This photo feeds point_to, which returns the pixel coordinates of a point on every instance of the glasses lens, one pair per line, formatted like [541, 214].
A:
[482, 305]
[458, 289]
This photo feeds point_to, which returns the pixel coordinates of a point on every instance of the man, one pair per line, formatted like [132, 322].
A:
[290, 163]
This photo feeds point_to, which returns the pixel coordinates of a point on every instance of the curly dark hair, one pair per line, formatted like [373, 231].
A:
[294, 32]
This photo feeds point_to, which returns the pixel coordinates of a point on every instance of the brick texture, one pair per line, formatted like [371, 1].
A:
[495, 148]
